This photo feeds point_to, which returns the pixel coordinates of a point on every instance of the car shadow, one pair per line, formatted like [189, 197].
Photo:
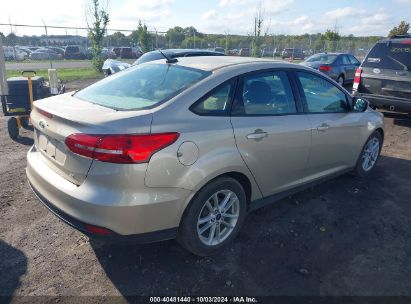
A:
[399, 119]
[333, 239]
[13, 265]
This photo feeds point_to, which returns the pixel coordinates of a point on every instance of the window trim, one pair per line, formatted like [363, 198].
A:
[233, 82]
[303, 97]
[240, 84]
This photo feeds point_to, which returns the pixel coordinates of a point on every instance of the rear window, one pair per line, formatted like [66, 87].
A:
[141, 87]
[394, 56]
[323, 58]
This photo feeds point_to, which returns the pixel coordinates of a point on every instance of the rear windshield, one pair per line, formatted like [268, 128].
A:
[140, 87]
[395, 56]
[323, 58]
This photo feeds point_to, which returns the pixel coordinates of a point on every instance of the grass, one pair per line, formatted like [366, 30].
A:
[64, 74]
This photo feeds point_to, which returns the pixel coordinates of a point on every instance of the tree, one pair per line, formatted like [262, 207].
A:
[142, 36]
[401, 29]
[175, 36]
[332, 38]
[96, 31]
[258, 25]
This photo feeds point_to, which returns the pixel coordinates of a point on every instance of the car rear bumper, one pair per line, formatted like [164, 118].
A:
[145, 210]
[388, 102]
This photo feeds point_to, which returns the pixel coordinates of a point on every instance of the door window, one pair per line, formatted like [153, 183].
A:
[267, 93]
[345, 60]
[321, 95]
[354, 60]
[216, 103]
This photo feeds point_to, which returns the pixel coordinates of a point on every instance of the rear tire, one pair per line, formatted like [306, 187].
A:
[369, 155]
[211, 220]
[341, 79]
[13, 128]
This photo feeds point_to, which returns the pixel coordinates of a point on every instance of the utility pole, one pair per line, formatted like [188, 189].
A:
[194, 33]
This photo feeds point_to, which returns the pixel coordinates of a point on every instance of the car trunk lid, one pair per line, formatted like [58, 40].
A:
[55, 118]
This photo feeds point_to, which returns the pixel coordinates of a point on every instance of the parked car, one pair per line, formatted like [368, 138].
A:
[219, 50]
[108, 53]
[44, 54]
[339, 66]
[111, 66]
[74, 52]
[164, 150]
[276, 52]
[116, 51]
[384, 77]
[175, 53]
[126, 53]
[13, 53]
[233, 52]
[244, 52]
[57, 50]
[291, 53]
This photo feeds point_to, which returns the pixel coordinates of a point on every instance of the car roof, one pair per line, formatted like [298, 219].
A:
[211, 63]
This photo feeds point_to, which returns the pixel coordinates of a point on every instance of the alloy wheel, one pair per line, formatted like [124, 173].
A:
[218, 217]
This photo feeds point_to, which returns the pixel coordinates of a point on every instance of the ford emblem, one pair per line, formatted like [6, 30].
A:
[42, 124]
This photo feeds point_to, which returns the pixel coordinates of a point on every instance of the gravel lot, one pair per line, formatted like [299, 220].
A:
[349, 236]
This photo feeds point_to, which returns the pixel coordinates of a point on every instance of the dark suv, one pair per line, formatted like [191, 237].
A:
[384, 77]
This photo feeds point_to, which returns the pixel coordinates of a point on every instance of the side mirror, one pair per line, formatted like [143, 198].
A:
[359, 104]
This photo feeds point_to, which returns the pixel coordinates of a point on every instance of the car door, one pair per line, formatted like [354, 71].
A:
[349, 69]
[335, 129]
[272, 134]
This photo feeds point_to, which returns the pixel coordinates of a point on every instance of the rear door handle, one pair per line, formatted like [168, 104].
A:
[258, 134]
[324, 127]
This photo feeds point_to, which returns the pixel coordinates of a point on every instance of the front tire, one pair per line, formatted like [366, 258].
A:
[369, 155]
[214, 217]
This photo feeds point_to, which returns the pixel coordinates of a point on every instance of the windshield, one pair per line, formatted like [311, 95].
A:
[322, 58]
[395, 56]
[142, 86]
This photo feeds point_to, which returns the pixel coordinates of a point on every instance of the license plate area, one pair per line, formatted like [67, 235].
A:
[51, 148]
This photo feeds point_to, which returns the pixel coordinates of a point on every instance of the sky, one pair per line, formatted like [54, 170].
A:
[361, 17]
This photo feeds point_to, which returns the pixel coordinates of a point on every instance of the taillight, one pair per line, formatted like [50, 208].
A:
[406, 41]
[357, 79]
[44, 113]
[125, 149]
[325, 68]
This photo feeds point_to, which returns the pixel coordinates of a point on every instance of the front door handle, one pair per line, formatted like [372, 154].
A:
[258, 134]
[324, 127]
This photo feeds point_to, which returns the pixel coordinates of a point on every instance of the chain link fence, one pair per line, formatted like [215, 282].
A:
[45, 46]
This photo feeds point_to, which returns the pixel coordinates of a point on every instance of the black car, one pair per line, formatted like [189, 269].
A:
[175, 53]
[339, 66]
[292, 54]
[384, 77]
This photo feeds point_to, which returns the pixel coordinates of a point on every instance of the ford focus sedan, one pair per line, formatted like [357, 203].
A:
[186, 149]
